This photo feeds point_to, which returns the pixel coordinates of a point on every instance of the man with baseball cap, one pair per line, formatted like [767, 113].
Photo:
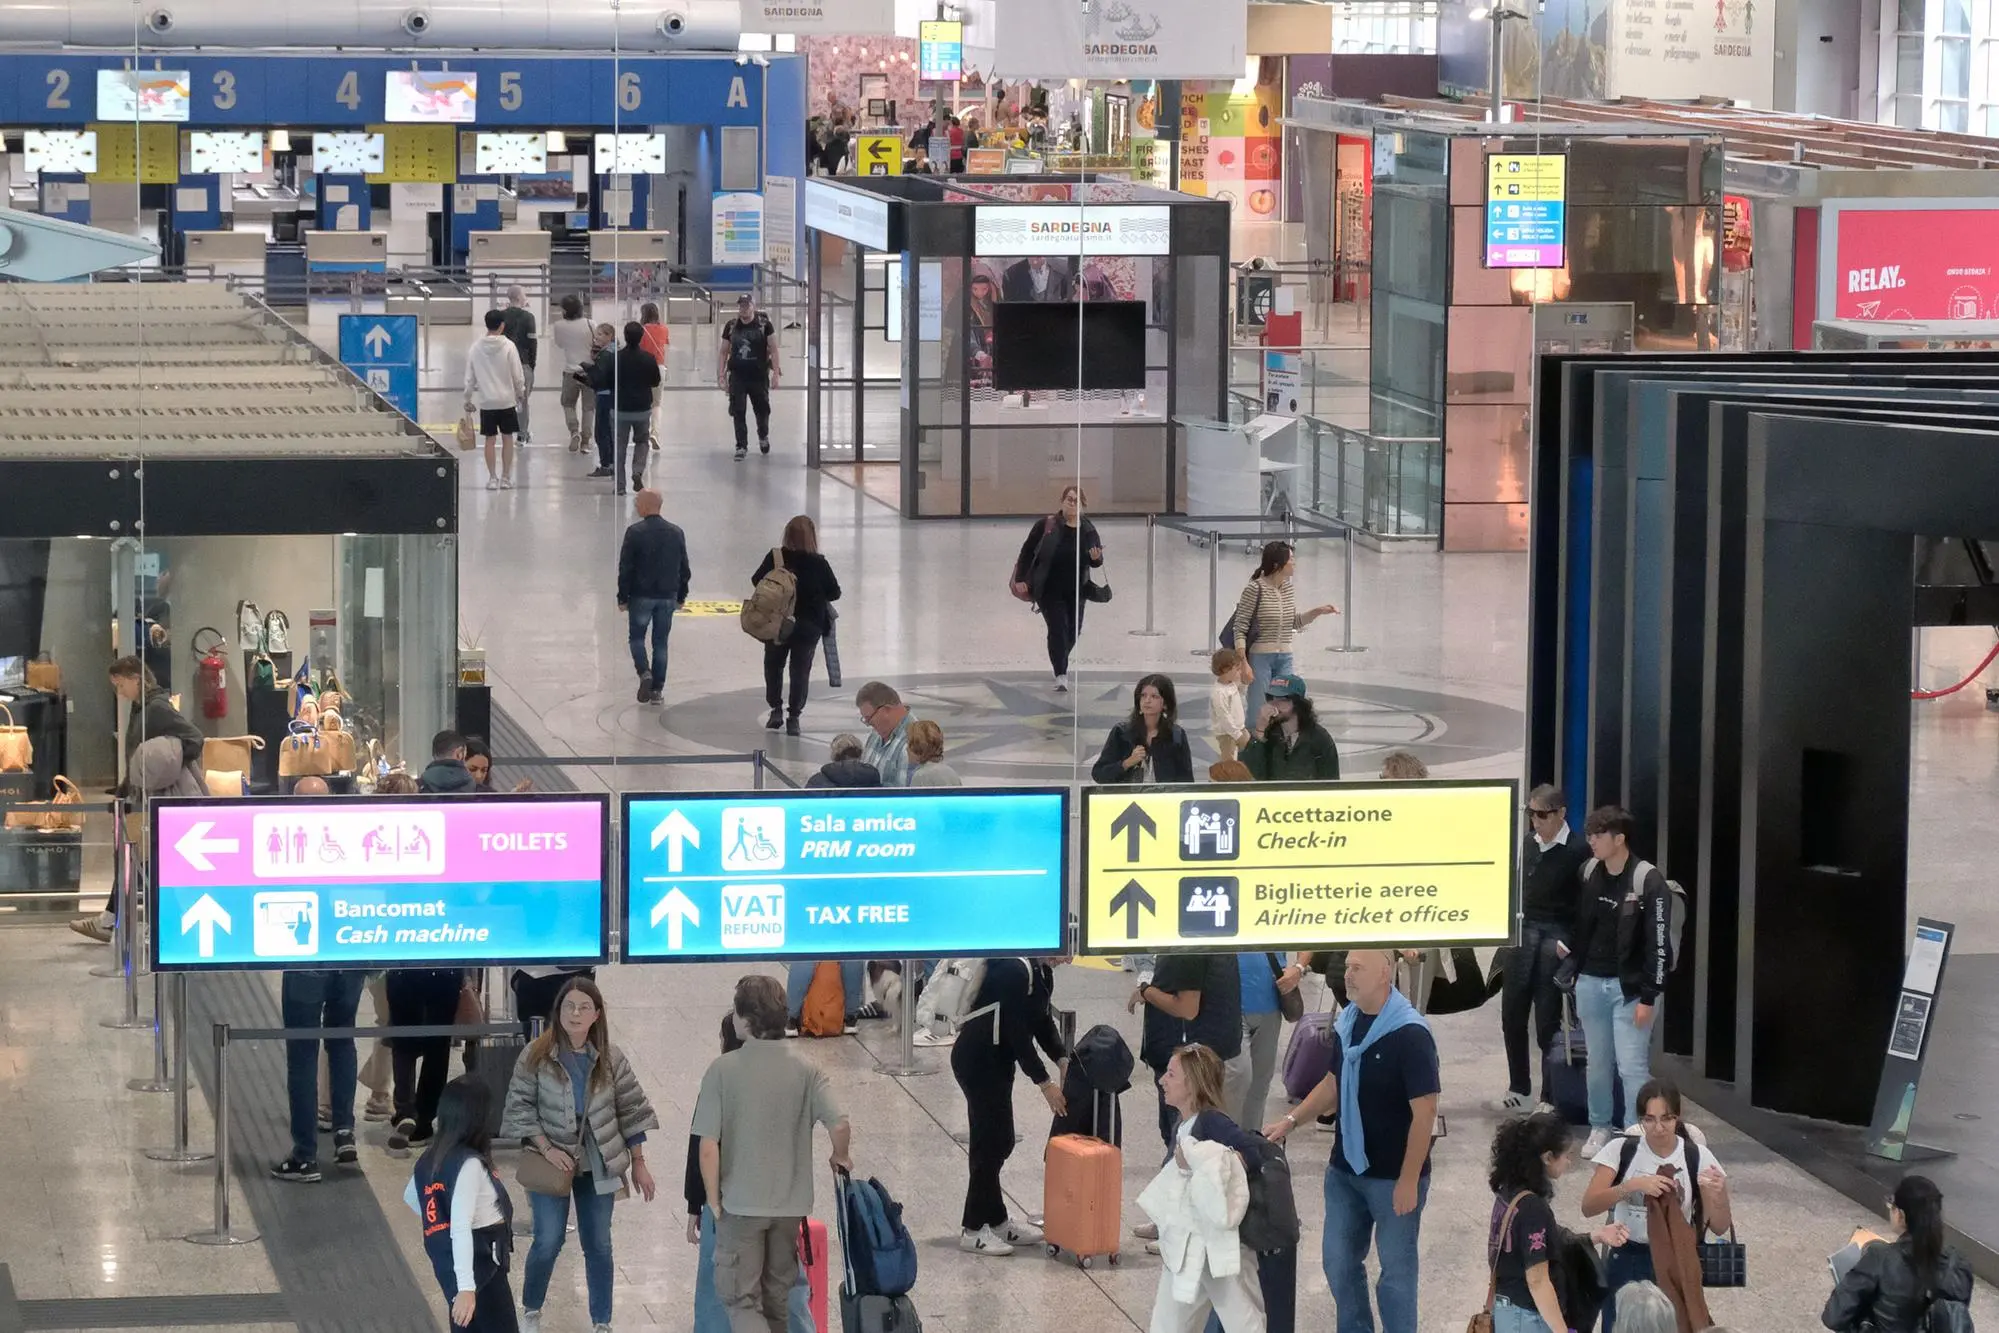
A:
[1289, 744]
[748, 368]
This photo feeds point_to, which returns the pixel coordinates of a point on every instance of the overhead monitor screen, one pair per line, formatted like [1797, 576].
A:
[59, 150]
[1091, 345]
[495, 154]
[641, 154]
[431, 97]
[347, 152]
[142, 94]
[225, 152]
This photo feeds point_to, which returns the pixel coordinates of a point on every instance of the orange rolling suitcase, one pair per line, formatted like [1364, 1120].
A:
[1081, 1197]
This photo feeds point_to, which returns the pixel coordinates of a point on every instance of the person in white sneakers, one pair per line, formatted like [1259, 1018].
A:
[1008, 1018]
[494, 386]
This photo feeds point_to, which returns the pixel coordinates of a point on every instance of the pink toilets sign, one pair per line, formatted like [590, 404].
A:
[362, 881]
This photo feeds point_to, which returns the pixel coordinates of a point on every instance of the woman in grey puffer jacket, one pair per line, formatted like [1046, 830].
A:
[570, 1080]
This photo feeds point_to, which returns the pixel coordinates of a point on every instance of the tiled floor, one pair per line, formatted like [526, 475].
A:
[83, 1214]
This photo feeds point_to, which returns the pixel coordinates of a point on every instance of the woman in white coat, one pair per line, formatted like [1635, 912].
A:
[1198, 1200]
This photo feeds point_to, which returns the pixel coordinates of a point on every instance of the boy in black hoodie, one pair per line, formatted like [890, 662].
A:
[1621, 952]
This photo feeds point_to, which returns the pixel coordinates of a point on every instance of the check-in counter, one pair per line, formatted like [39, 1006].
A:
[227, 253]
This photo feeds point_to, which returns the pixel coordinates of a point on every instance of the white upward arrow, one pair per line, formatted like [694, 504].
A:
[207, 914]
[195, 845]
[679, 828]
[376, 339]
[679, 912]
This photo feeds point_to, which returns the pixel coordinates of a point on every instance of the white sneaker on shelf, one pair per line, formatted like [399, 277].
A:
[983, 1241]
[1018, 1231]
[1146, 1231]
[1594, 1143]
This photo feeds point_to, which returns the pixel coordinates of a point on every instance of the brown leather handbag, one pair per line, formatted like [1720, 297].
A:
[17, 748]
[45, 675]
[1482, 1321]
[52, 817]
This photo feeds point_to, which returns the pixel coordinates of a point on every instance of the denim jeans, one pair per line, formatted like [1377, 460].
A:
[1510, 1318]
[1263, 667]
[630, 430]
[319, 1000]
[799, 980]
[593, 1230]
[709, 1314]
[1617, 1046]
[1360, 1210]
[654, 614]
[1628, 1263]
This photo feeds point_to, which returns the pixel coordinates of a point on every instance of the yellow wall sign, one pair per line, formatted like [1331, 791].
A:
[146, 153]
[1526, 178]
[877, 155]
[1298, 865]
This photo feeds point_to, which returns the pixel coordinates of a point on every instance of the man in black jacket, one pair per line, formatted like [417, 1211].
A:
[1622, 951]
[1551, 865]
[652, 583]
[446, 773]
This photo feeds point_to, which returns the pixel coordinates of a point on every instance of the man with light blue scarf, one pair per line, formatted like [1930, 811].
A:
[1383, 1078]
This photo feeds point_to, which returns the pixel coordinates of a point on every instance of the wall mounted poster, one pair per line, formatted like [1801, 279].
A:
[1121, 39]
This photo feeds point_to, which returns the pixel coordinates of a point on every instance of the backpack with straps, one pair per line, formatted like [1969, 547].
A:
[767, 615]
[948, 997]
[1628, 1152]
[1676, 903]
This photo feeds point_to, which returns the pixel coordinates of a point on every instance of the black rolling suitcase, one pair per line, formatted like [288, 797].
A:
[491, 1060]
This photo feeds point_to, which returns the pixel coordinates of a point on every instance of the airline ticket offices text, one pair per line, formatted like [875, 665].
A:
[1285, 866]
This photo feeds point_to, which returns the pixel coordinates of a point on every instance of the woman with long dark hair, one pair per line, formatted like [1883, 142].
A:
[1523, 1240]
[1148, 746]
[1895, 1284]
[466, 1213]
[811, 618]
[1050, 572]
[1267, 617]
[575, 1101]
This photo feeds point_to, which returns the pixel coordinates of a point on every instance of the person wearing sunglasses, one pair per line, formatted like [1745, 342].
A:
[1551, 862]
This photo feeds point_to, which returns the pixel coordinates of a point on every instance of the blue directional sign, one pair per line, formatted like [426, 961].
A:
[931, 873]
[382, 350]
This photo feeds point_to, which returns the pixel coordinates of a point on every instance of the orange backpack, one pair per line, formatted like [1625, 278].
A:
[825, 1010]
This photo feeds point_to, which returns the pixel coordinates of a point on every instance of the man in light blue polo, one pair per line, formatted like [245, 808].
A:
[887, 718]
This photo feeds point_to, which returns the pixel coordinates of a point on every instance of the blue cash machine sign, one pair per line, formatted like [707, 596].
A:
[884, 873]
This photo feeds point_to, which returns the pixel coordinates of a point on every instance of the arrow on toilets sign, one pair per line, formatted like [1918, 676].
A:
[679, 912]
[206, 916]
[679, 833]
[195, 847]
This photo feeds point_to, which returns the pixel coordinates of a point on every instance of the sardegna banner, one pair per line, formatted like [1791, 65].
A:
[1912, 262]
[1121, 39]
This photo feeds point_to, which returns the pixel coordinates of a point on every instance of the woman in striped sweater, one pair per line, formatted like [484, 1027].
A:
[1266, 617]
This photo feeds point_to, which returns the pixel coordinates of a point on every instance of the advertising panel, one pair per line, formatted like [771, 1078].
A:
[1000, 231]
[1121, 39]
[1912, 263]
[431, 97]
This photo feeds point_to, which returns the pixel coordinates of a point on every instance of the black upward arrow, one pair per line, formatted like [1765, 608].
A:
[1131, 899]
[1132, 822]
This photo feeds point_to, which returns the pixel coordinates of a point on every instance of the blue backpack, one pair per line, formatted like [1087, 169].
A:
[880, 1249]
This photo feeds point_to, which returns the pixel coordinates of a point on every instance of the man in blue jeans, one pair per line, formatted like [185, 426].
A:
[653, 580]
[1621, 952]
[1383, 1078]
[798, 980]
[319, 1000]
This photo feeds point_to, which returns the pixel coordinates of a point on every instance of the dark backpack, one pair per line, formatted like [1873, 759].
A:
[1628, 1152]
[1944, 1315]
[1104, 1059]
[880, 1249]
[1271, 1221]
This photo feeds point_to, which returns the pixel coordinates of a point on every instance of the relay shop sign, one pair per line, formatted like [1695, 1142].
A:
[436, 881]
[1298, 865]
[1912, 263]
[846, 874]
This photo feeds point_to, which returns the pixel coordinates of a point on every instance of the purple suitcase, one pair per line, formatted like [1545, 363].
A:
[1307, 1057]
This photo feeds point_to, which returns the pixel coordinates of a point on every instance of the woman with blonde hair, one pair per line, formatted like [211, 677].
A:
[575, 1102]
[926, 757]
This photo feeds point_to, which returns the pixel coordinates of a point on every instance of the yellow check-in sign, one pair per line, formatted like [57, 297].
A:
[1298, 865]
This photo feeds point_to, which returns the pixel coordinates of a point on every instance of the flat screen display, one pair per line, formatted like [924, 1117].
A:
[431, 97]
[59, 150]
[640, 154]
[498, 154]
[142, 94]
[1046, 346]
[348, 152]
[231, 152]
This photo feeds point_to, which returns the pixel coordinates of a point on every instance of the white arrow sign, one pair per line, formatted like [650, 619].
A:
[679, 911]
[195, 846]
[679, 828]
[377, 340]
[206, 914]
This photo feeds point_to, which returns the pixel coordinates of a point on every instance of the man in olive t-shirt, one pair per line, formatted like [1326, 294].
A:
[754, 1117]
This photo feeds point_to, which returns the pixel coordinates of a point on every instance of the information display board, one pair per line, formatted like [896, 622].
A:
[239, 152]
[58, 150]
[352, 882]
[142, 94]
[957, 872]
[1299, 865]
[1525, 202]
[940, 50]
[431, 97]
[348, 153]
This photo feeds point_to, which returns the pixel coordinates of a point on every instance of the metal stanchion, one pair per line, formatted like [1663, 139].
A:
[179, 1151]
[128, 928]
[906, 1066]
[222, 1233]
[115, 966]
[159, 1082]
[1151, 557]
[756, 770]
[1214, 592]
[1345, 644]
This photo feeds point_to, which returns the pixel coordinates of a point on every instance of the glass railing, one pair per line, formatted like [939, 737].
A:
[1390, 486]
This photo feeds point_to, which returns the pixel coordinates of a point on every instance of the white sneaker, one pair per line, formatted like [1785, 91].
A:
[983, 1241]
[530, 1321]
[600, 1328]
[1146, 1231]
[1594, 1143]
[1061, 685]
[1514, 1103]
[1018, 1231]
[492, 483]
[507, 484]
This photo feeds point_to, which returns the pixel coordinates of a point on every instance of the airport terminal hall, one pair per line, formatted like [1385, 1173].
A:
[999, 666]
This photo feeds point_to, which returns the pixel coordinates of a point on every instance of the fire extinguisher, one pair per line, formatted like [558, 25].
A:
[211, 672]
